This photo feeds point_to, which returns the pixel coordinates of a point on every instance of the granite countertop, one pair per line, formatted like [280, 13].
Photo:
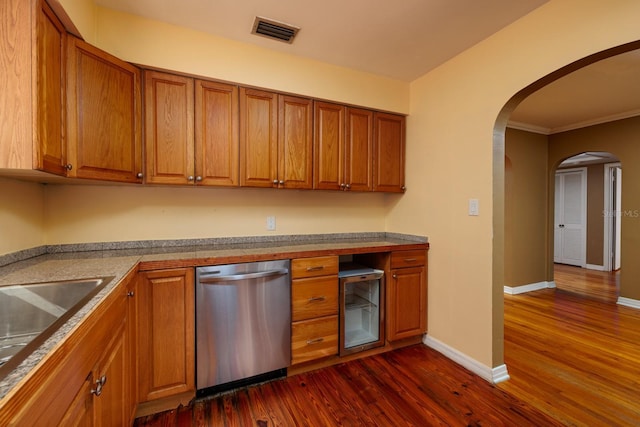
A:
[68, 262]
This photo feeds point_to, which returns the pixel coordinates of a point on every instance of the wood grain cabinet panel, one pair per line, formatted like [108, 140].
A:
[169, 134]
[166, 334]
[258, 138]
[276, 140]
[329, 146]
[406, 299]
[32, 99]
[191, 131]
[389, 153]
[359, 150]
[216, 138]
[314, 308]
[295, 142]
[104, 115]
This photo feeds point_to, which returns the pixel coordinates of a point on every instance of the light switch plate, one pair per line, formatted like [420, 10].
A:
[474, 208]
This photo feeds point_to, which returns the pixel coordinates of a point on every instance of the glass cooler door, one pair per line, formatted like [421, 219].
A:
[361, 290]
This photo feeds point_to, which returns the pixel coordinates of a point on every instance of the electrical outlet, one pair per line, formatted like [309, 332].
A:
[271, 223]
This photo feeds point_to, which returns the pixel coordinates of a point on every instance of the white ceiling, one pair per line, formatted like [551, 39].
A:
[404, 39]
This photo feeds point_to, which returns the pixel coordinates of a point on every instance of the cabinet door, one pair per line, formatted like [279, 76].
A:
[168, 102]
[216, 126]
[328, 148]
[50, 95]
[166, 333]
[258, 138]
[389, 153]
[406, 303]
[295, 142]
[111, 389]
[103, 104]
[80, 412]
[359, 150]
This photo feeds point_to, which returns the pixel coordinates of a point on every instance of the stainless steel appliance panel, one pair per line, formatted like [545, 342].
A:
[243, 321]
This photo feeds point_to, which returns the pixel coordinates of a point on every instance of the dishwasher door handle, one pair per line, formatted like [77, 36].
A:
[243, 276]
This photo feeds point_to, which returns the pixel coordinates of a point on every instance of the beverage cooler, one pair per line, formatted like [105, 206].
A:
[361, 314]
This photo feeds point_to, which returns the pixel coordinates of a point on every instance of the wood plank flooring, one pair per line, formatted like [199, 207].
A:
[600, 285]
[413, 386]
[575, 357]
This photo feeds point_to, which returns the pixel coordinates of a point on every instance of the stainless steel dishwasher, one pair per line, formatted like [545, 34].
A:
[243, 324]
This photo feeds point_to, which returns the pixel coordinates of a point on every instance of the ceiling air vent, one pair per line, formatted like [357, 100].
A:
[274, 30]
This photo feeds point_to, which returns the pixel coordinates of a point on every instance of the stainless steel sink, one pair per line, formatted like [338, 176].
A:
[31, 313]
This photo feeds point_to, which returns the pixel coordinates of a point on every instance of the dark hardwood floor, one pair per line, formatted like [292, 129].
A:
[572, 353]
[414, 386]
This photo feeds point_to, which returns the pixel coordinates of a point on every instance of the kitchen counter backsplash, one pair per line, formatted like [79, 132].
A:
[87, 260]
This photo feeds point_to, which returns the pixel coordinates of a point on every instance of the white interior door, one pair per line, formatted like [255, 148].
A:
[570, 228]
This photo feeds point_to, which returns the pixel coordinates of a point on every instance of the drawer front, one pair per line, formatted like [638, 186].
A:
[314, 339]
[402, 259]
[314, 297]
[314, 267]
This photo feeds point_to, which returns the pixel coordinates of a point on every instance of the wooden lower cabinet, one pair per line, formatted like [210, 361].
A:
[86, 380]
[166, 334]
[314, 308]
[314, 339]
[406, 298]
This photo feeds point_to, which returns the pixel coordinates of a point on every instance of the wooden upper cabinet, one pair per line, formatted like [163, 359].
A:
[359, 150]
[276, 140]
[295, 142]
[216, 133]
[258, 138]
[169, 134]
[50, 87]
[191, 131]
[329, 146]
[32, 99]
[389, 154]
[104, 115]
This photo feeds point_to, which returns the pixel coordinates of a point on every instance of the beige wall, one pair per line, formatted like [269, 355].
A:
[21, 215]
[82, 214]
[450, 151]
[618, 138]
[525, 242]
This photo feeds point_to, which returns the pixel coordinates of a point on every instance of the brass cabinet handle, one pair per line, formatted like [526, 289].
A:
[348, 186]
[130, 294]
[395, 276]
[315, 341]
[198, 178]
[317, 299]
[403, 188]
[316, 268]
[68, 166]
[139, 175]
[275, 182]
[190, 178]
[410, 260]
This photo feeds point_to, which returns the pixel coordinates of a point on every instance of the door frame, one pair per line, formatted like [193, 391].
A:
[610, 213]
[583, 212]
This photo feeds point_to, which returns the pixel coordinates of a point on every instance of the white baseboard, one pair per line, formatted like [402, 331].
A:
[492, 375]
[528, 288]
[628, 302]
[595, 267]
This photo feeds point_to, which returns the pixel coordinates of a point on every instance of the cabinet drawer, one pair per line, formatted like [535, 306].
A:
[314, 297]
[314, 339]
[313, 267]
[401, 259]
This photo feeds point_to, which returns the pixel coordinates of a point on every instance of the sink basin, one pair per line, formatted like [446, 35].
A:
[31, 313]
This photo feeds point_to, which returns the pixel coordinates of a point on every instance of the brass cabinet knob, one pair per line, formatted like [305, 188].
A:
[198, 178]
[139, 175]
[190, 178]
